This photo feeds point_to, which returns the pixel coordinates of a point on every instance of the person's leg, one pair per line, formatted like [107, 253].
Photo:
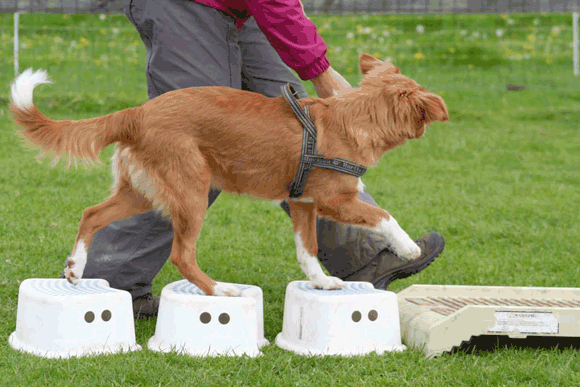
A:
[347, 252]
[187, 45]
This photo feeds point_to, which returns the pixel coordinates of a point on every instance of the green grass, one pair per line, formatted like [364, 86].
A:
[500, 182]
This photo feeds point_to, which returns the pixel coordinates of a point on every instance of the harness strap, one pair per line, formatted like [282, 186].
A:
[309, 157]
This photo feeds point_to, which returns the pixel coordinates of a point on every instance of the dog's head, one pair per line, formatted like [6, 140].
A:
[410, 106]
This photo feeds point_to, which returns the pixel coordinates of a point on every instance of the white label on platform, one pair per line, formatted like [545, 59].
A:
[524, 322]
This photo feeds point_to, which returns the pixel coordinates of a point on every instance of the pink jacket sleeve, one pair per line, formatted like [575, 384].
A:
[292, 35]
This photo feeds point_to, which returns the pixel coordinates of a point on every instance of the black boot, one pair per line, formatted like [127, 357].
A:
[146, 306]
[387, 267]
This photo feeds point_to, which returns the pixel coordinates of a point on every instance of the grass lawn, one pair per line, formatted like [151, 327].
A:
[500, 182]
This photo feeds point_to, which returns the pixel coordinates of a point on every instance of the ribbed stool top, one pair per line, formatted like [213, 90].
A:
[61, 287]
[350, 289]
[187, 288]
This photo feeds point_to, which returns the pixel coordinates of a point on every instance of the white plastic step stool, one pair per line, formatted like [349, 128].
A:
[355, 320]
[56, 319]
[193, 323]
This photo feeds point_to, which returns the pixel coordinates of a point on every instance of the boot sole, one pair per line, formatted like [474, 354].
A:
[406, 271]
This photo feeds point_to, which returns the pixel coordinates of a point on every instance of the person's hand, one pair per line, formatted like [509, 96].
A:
[329, 83]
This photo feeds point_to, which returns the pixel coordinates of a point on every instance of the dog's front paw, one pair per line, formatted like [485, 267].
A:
[226, 290]
[408, 250]
[328, 283]
[71, 272]
[75, 263]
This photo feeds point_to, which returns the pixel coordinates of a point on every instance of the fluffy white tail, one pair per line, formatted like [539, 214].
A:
[23, 87]
[79, 139]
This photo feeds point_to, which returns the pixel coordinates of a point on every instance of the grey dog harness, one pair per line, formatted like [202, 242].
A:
[309, 157]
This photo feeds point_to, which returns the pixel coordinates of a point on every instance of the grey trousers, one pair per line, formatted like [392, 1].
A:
[188, 45]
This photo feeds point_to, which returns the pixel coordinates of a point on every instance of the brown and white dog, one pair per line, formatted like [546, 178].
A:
[170, 150]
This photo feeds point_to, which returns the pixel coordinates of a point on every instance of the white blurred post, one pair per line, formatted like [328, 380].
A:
[16, 43]
[575, 29]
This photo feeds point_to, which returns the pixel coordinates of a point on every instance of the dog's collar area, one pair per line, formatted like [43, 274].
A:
[309, 157]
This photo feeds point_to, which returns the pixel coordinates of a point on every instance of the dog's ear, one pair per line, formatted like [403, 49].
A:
[368, 62]
[429, 107]
[426, 108]
[434, 106]
[390, 68]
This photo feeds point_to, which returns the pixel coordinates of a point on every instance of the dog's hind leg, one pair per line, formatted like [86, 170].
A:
[349, 210]
[187, 205]
[304, 220]
[123, 203]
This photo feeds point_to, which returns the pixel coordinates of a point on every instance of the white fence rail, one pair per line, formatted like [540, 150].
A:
[322, 6]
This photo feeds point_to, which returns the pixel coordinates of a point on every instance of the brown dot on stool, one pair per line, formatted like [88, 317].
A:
[205, 317]
[106, 315]
[224, 318]
[89, 317]
[356, 316]
[373, 315]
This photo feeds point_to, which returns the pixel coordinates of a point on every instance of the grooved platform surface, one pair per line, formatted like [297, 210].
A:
[439, 318]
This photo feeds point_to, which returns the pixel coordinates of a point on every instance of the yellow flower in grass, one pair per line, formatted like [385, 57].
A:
[419, 56]
[531, 38]
[83, 43]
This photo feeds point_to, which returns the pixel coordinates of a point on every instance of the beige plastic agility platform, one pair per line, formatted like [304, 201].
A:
[439, 318]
